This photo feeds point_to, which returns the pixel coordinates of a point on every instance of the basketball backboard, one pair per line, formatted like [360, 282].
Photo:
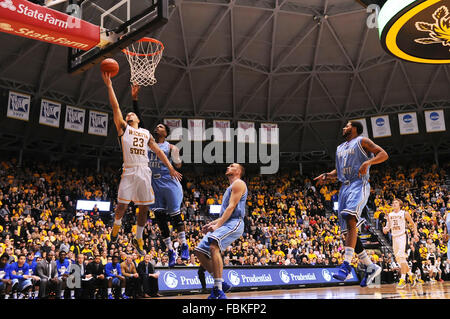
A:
[121, 23]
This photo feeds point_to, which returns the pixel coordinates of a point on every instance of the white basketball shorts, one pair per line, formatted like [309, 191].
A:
[399, 246]
[136, 186]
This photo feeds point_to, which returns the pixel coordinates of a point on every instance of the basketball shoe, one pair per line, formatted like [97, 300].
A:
[413, 280]
[401, 284]
[139, 245]
[172, 258]
[226, 287]
[372, 271]
[216, 293]
[185, 252]
[343, 272]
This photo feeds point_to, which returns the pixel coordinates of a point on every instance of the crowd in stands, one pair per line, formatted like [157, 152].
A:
[290, 221]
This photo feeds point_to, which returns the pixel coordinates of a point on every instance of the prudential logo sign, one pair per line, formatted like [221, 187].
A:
[284, 276]
[233, 277]
[170, 279]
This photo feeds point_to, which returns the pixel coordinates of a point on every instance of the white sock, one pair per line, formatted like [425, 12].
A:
[109, 291]
[182, 237]
[123, 291]
[348, 254]
[62, 293]
[364, 258]
[403, 276]
[218, 283]
[139, 231]
[168, 243]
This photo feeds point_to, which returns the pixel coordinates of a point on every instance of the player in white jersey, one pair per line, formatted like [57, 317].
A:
[396, 223]
[136, 180]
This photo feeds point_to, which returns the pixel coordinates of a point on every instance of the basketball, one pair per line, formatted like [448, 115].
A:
[110, 66]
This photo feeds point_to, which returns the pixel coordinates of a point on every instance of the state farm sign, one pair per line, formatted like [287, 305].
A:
[30, 20]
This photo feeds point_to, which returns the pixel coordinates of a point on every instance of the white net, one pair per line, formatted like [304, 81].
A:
[143, 57]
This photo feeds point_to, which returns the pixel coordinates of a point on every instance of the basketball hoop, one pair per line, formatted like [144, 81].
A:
[144, 56]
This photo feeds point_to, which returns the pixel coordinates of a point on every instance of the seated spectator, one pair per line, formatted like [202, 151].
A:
[96, 270]
[47, 272]
[131, 277]
[115, 278]
[148, 277]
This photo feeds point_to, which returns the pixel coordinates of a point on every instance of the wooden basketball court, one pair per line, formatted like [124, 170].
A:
[438, 290]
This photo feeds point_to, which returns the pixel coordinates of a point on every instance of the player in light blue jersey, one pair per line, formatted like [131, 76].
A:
[168, 190]
[353, 160]
[62, 265]
[222, 232]
[21, 280]
[32, 272]
[5, 280]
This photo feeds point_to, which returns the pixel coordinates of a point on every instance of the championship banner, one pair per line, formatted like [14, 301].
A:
[222, 131]
[50, 113]
[269, 133]
[74, 119]
[380, 126]
[196, 130]
[26, 19]
[19, 106]
[435, 121]
[98, 123]
[408, 123]
[246, 132]
[365, 133]
[176, 129]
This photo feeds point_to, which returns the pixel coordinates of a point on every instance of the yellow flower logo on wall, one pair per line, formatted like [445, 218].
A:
[439, 31]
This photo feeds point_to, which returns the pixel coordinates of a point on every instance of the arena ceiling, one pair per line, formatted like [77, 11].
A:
[308, 65]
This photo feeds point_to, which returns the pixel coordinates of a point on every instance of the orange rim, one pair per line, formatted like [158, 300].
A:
[128, 52]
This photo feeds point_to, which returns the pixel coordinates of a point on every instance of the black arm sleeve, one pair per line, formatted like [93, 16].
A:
[138, 112]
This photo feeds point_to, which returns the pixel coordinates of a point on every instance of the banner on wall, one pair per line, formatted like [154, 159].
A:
[407, 123]
[365, 133]
[196, 130]
[176, 129]
[222, 131]
[381, 126]
[269, 133]
[246, 132]
[98, 123]
[435, 121]
[19, 106]
[185, 278]
[75, 118]
[50, 113]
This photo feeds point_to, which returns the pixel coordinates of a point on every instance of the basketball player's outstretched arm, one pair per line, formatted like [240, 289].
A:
[371, 147]
[155, 148]
[237, 190]
[175, 154]
[117, 113]
[323, 177]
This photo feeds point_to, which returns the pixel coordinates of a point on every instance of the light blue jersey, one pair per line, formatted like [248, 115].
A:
[155, 164]
[168, 190]
[349, 157]
[239, 211]
[230, 231]
[355, 190]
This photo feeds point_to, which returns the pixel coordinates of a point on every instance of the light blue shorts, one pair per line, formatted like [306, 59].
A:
[168, 195]
[22, 283]
[224, 236]
[351, 201]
